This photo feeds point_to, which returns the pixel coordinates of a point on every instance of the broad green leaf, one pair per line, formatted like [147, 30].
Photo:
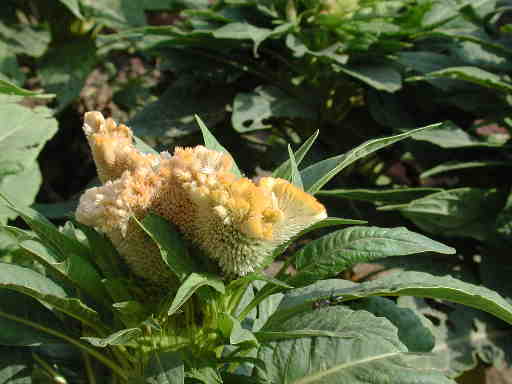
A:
[463, 212]
[116, 14]
[296, 179]
[382, 196]
[25, 307]
[172, 115]
[231, 329]
[193, 282]
[165, 368]
[401, 284]
[383, 77]
[66, 78]
[15, 366]
[73, 253]
[12, 89]
[317, 175]
[327, 222]
[39, 287]
[122, 337]
[471, 74]
[251, 111]
[22, 136]
[74, 7]
[172, 247]
[337, 251]
[455, 165]
[211, 142]
[73, 270]
[448, 135]
[411, 331]
[284, 170]
[371, 352]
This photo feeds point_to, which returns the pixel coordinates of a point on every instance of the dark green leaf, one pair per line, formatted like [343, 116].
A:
[466, 212]
[193, 282]
[15, 366]
[172, 247]
[383, 196]
[243, 31]
[67, 77]
[381, 77]
[455, 165]
[251, 111]
[25, 307]
[73, 6]
[296, 179]
[39, 287]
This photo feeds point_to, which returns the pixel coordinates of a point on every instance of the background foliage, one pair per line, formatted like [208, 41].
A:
[262, 74]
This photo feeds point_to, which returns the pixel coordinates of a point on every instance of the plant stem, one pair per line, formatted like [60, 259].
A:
[88, 368]
[100, 357]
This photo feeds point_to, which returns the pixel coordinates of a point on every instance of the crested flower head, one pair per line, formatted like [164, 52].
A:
[237, 222]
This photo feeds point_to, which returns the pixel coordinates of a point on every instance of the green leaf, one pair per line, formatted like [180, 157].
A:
[66, 78]
[12, 89]
[284, 171]
[116, 14]
[172, 115]
[172, 247]
[251, 111]
[74, 254]
[471, 74]
[243, 31]
[165, 368]
[193, 282]
[370, 353]
[296, 179]
[231, 329]
[400, 284]
[317, 175]
[211, 143]
[449, 135]
[122, 337]
[464, 212]
[74, 7]
[382, 196]
[337, 251]
[381, 77]
[22, 136]
[25, 307]
[411, 331]
[455, 165]
[39, 287]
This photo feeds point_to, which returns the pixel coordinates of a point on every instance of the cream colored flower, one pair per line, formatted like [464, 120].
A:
[235, 221]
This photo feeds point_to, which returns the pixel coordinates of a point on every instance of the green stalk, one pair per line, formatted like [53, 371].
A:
[100, 357]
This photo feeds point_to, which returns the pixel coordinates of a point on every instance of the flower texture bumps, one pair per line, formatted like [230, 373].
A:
[235, 221]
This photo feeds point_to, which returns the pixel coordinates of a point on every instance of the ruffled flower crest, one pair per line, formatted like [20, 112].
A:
[235, 221]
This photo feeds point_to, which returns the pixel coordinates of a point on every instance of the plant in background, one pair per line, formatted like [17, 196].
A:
[177, 294]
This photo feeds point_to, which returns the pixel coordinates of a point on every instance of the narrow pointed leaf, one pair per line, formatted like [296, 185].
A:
[284, 170]
[211, 142]
[296, 179]
[191, 285]
[122, 337]
[317, 175]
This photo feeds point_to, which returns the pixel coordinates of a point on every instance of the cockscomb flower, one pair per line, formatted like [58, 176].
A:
[236, 222]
